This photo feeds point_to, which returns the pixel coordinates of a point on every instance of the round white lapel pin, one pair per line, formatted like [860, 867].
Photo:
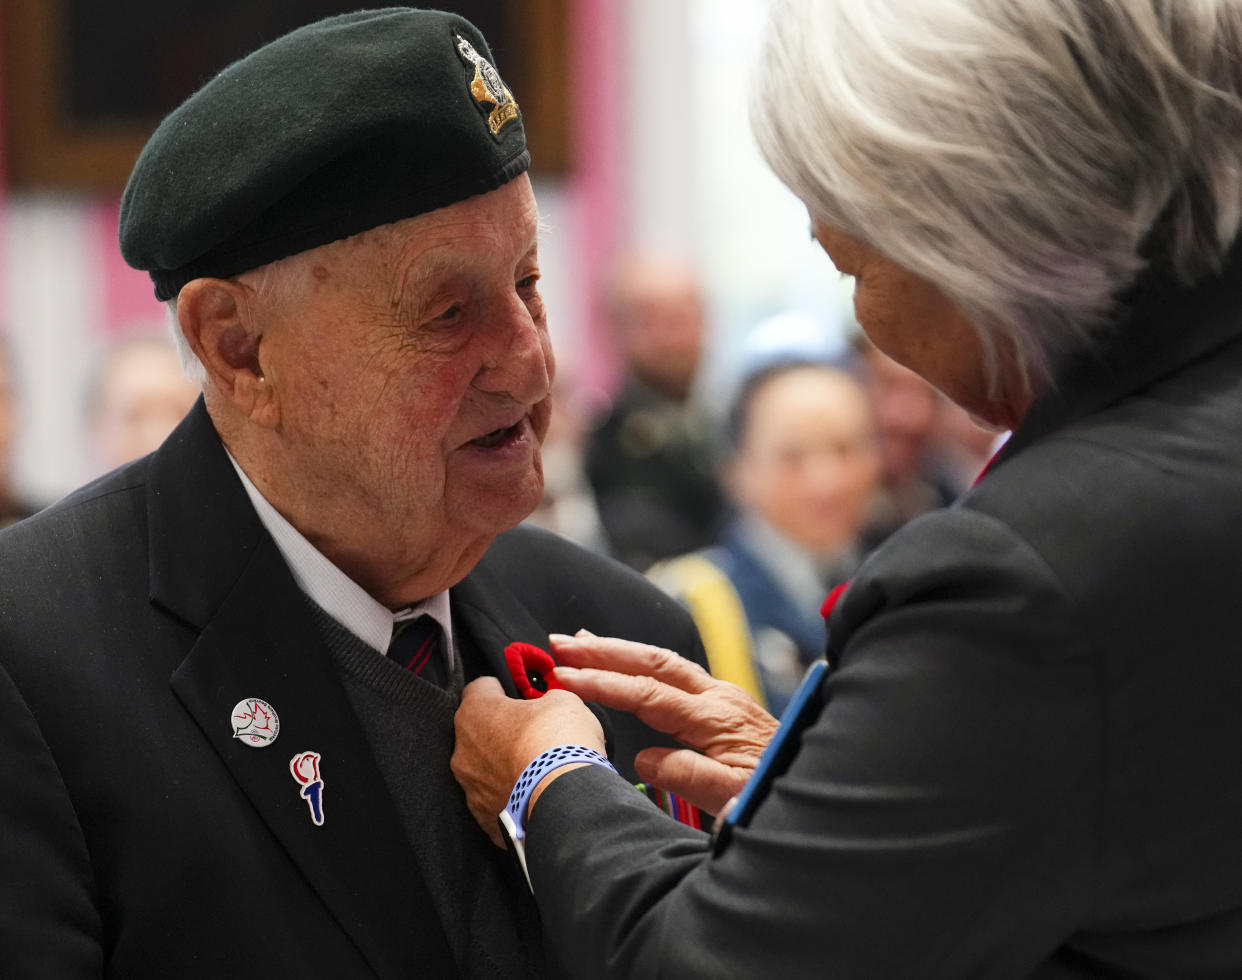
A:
[255, 723]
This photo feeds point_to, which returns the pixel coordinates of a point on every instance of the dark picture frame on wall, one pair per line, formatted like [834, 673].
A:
[85, 82]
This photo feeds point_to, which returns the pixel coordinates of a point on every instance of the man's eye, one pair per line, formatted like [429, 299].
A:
[450, 313]
[528, 282]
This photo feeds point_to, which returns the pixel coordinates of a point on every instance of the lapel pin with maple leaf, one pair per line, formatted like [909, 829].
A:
[531, 670]
[255, 723]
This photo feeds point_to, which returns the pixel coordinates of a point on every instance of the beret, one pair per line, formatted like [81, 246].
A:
[343, 125]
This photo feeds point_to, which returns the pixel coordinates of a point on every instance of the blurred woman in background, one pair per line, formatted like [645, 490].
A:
[802, 470]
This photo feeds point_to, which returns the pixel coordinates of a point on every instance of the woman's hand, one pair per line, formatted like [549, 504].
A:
[678, 697]
[499, 736]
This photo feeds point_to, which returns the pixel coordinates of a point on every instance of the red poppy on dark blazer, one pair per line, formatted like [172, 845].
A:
[531, 670]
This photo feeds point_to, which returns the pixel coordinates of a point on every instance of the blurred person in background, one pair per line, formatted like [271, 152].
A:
[12, 507]
[908, 413]
[568, 506]
[650, 458]
[802, 471]
[1025, 763]
[138, 395]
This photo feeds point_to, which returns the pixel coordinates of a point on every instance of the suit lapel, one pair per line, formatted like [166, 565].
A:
[218, 569]
[487, 617]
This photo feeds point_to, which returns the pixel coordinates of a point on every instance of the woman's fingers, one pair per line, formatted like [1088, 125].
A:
[628, 657]
[665, 708]
[702, 781]
[726, 726]
[671, 695]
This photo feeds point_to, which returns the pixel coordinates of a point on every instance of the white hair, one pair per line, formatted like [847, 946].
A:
[1029, 157]
[191, 366]
[270, 282]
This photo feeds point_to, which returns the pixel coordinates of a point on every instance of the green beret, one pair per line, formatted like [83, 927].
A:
[340, 126]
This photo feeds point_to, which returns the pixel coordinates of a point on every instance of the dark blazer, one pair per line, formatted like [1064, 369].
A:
[1029, 761]
[138, 837]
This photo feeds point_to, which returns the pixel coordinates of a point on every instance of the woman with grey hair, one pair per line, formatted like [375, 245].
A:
[1024, 760]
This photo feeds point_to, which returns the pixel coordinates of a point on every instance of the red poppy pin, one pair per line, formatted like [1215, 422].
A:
[833, 598]
[531, 670]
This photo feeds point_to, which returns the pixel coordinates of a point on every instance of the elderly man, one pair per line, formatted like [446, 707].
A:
[208, 767]
[137, 396]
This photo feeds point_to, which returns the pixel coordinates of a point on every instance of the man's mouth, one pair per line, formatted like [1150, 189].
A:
[497, 437]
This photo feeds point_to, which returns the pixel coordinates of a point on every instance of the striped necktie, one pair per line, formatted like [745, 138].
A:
[417, 645]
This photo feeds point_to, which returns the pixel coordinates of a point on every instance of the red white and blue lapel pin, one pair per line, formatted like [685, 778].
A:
[255, 723]
[305, 769]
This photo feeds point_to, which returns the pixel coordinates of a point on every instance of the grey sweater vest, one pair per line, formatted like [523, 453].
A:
[481, 901]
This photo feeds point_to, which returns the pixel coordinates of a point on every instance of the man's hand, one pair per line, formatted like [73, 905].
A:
[499, 736]
[680, 698]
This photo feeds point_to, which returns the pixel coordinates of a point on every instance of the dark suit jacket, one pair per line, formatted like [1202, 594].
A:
[138, 837]
[1029, 761]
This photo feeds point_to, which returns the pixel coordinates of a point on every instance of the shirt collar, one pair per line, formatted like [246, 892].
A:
[335, 592]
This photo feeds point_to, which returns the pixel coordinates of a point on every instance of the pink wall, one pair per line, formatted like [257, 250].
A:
[597, 183]
[3, 172]
[127, 297]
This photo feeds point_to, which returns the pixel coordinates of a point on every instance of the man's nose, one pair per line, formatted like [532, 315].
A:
[518, 360]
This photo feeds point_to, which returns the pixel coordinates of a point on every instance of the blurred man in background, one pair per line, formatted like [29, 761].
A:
[650, 460]
[908, 414]
[568, 506]
[137, 397]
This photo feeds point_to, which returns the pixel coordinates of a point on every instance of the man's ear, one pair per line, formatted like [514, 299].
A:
[214, 315]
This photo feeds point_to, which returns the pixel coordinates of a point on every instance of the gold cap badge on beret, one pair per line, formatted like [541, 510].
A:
[486, 86]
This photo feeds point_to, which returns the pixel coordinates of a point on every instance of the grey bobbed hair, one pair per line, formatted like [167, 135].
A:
[1029, 157]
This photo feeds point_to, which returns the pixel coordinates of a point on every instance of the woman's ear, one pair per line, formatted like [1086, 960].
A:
[215, 318]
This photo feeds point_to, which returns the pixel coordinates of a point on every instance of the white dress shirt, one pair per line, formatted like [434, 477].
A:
[335, 592]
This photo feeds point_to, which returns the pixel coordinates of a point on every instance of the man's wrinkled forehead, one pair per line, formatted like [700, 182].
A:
[494, 230]
[492, 234]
